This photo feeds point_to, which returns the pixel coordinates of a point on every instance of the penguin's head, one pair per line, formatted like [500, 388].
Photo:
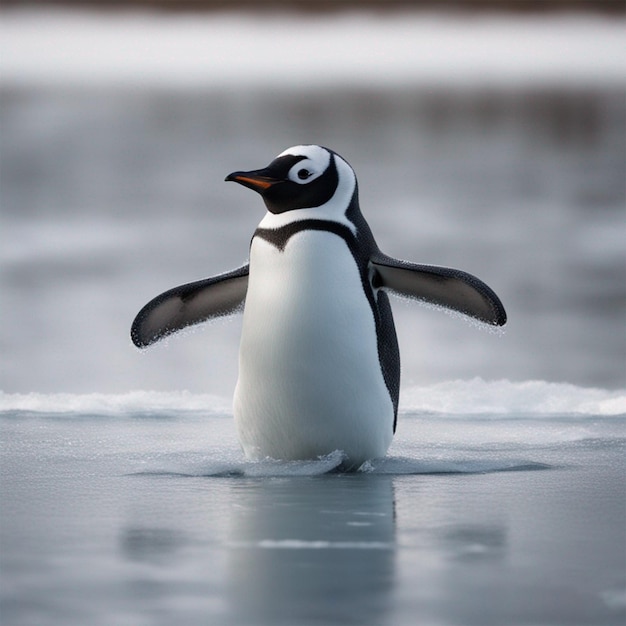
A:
[301, 177]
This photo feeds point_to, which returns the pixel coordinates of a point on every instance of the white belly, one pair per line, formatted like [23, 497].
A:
[309, 376]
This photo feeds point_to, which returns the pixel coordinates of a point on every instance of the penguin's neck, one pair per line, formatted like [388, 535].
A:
[291, 219]
[279, 237]
[351, 225]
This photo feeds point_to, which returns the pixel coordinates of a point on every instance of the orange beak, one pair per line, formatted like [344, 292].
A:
[256, 180]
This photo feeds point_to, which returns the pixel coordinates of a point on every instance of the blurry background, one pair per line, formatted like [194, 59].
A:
[486, 135]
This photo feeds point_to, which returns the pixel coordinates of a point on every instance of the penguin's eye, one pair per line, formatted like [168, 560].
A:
[306, 170]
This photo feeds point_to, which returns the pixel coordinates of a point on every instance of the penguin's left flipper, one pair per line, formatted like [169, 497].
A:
[190, 304]
[442, 286]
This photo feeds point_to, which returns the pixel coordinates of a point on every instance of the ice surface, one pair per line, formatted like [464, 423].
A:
[462, 427]
[501, 399]
[126, 404]
[507, 398]
[148, 514]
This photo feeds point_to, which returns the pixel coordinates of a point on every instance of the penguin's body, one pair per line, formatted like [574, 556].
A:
[310, 379]
[319, 365]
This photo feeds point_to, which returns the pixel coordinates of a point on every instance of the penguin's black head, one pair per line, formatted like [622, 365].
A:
[301, 177]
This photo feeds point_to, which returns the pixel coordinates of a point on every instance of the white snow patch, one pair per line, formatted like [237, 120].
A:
[269, 50]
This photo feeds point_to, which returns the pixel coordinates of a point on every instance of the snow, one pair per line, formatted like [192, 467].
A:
[502, 399]
[272, 50]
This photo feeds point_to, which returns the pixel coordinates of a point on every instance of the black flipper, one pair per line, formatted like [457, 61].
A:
[190, 304]
[449, 288]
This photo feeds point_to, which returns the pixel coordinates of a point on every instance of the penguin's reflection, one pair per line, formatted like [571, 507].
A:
[312, 550]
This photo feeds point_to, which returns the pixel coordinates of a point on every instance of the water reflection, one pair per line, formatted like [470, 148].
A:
[150, 544]
[475, 542]
[312, 551]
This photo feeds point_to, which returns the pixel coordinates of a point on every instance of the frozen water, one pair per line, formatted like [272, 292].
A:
[140, 508]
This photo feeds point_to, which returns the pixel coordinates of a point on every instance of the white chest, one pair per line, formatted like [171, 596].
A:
[310, 379]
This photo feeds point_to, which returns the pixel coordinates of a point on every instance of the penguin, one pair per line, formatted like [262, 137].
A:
[319, 362]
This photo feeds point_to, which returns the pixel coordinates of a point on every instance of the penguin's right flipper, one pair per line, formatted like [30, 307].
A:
[442, 286]
[190, 304]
